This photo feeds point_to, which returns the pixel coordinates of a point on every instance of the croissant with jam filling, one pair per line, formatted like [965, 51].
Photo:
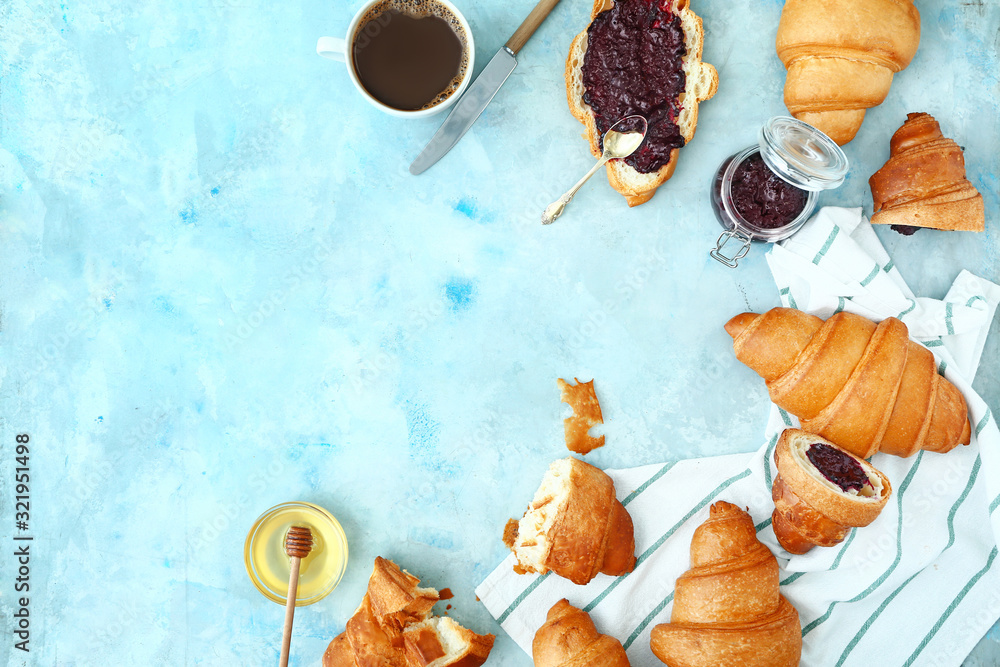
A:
[821, 492]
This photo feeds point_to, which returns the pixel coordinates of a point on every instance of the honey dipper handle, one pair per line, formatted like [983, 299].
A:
[293, 589]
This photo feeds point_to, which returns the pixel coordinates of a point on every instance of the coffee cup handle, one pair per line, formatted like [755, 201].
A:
[333, 48]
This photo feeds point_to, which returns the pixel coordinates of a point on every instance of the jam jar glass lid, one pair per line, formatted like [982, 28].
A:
[801, 154]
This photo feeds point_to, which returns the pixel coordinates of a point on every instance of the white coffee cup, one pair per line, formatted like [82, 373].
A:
[342, 50]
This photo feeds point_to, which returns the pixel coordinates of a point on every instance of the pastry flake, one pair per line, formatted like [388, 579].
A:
[586, 414]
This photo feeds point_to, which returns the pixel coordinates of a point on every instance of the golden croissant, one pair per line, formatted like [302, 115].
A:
[394, 627]
[575, 526]
[923, 184]
[841, 55]
[863, 386]
[821, 492]
[569, 639]
[728, 611]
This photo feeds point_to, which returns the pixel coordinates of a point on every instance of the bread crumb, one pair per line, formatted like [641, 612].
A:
[510, 533]
[586, 414]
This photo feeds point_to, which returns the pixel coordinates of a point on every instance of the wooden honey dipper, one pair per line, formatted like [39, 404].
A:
[298, 544]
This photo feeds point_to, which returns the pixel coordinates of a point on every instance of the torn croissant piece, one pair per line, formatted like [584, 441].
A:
[339, 653]
[865, 386]
[923, 184]
[396, 599]
[373, 644]
[440, 641]
[821, 492]
[586, 414]
[841, 57]
[574, 526]
[728, 611]
[393, 627]
[569, 639]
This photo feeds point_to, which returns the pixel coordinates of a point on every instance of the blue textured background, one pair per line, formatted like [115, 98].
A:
[220, 289]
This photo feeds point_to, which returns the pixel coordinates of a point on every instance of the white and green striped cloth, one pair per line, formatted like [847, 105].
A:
[920, 586]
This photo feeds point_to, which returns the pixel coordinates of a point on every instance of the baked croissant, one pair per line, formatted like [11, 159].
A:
[728, 611]
[393, 627]
[339, 653]
[440, 642]
[569, 639]
[864, 386]
[923, 184]
[841, 55]
[372, 643]
[821, 492]
[574, 526]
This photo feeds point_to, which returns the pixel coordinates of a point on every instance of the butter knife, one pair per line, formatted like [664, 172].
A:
[482, 90]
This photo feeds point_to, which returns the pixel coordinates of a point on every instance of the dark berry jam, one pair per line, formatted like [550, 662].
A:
[633, 66]
[762, 197]
[838, 467]
[905, 230]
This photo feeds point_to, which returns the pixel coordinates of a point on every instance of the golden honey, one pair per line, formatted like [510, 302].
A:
[268, 565]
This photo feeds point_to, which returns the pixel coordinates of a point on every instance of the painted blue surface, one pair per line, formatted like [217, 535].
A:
[221, 289]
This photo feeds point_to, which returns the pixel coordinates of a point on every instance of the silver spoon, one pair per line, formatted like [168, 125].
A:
[617, 144]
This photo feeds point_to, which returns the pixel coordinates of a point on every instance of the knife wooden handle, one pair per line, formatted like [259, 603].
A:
[530, 24]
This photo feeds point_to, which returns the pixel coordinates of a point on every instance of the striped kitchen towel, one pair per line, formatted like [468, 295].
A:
[920, 586]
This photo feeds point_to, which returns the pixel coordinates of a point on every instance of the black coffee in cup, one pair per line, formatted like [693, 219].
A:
[410, 54]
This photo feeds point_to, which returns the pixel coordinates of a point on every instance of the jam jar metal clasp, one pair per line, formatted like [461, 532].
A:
[724, 239]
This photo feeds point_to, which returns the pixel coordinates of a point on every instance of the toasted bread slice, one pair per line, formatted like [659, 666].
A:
[339, 653]
[701, 81]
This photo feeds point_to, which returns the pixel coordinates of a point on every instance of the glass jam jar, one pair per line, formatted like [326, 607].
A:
[768, 191]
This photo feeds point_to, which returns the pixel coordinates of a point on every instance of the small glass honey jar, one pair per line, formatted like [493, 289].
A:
[268, 565]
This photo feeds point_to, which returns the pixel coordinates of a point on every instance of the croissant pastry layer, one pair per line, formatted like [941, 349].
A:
[923, 184]
[864, 386]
